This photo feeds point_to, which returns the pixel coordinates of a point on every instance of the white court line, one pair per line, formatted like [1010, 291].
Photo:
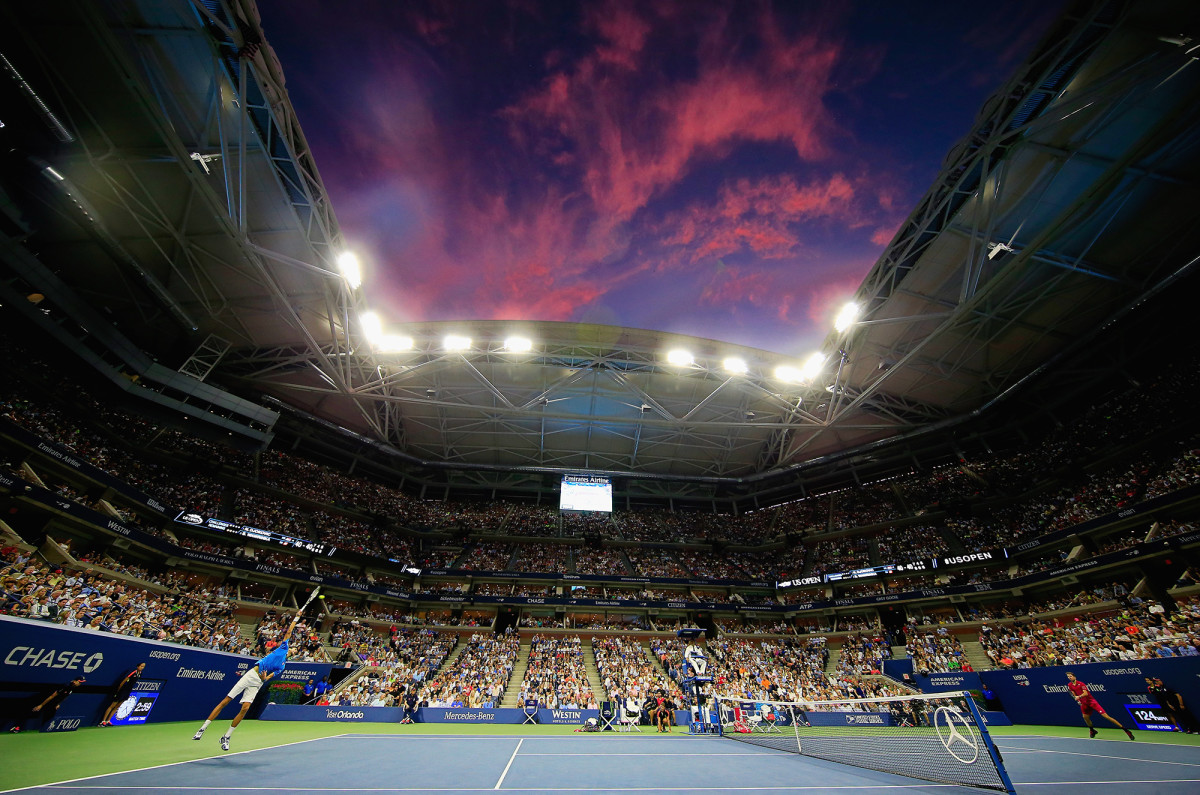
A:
[1106, 756]
[672, 756]
[510, 761]
[571, 737]
[1128, 781]
[168, 764]
[532, 789]
[631, 789]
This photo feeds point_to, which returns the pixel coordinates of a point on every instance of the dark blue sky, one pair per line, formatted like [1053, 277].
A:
[724, 169]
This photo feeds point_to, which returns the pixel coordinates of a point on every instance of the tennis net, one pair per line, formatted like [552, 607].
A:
[934, 737]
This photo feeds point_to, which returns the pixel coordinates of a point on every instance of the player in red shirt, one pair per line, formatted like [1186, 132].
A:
[1088, 704]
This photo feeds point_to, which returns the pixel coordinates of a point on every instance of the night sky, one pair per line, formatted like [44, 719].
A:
[729, 170]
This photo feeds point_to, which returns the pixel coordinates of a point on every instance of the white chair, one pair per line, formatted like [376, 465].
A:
[613, 716]
[631, 715]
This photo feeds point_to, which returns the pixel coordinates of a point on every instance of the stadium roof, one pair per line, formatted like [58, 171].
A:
[161, 197]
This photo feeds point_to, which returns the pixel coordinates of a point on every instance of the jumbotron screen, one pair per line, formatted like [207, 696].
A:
[585, 493]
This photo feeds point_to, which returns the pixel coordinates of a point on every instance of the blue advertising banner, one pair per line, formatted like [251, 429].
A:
[179, 682]
[569, 716]
[302, 712]
[940, 683]
[1039, 695]
[67, 723]
[463, 715]
[182, 683]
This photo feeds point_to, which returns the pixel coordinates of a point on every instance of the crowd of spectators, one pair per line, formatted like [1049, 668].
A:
[31, 588]
[626, 672]
[936, 651]
[863, 654]
[1136, 632]
[913, 542]
[557, 676]
[400, 663]
[605, 560]
[487, 556]
[542, 557]
[478, 676]
[1081, 486]
[657, 562]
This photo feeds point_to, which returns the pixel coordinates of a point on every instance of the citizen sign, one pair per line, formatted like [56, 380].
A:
[53, 658]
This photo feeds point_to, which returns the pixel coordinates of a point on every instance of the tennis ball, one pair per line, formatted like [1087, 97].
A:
[321, 596]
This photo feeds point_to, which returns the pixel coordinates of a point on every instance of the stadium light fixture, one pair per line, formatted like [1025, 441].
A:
[393, 343]
[812, 366]
[735, 365]
[845, 318]
[785, 372]
[347, 263]
[372, 326]
[680, 358]
[454, 342]
[518, 344]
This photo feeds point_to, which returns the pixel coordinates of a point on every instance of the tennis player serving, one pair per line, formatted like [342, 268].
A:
[250, 683]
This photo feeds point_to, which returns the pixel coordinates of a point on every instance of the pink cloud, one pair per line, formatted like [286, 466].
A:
[883, 235]
[638, 133]
[546, 219]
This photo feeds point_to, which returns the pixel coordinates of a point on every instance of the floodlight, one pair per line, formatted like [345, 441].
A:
[456, 343]
[812, 365]
[845, 318]
[735, 365]
[372, 326]
[518, 344]
[785, 372]
[348, 264]
[680, 358]
[393, 343]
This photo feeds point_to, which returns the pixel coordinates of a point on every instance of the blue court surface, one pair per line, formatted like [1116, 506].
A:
[363, 763]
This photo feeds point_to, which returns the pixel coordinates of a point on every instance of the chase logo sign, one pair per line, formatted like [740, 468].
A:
[53, 658]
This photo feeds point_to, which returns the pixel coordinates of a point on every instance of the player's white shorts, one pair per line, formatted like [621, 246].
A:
[248, 686]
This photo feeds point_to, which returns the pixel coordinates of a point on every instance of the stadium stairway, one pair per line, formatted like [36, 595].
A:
[907, 688]
[976, 655]
[358, 673]
[513, 691]
[654, 661]
[593, 673]
[451, 657]
[835, 654]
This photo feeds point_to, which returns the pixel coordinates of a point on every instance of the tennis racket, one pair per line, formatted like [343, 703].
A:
[311, 597]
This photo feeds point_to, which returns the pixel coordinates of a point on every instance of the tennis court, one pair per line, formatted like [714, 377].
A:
[357, 763]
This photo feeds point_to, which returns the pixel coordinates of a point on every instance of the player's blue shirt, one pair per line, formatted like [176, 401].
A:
[274, 662]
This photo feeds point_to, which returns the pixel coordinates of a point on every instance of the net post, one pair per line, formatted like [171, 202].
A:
[997, 760]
